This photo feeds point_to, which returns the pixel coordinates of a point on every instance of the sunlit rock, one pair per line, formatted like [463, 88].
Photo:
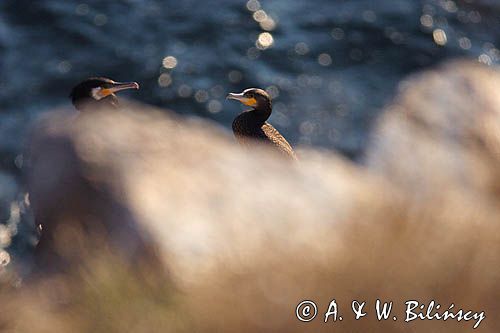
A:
[443, 133]
[244, 237]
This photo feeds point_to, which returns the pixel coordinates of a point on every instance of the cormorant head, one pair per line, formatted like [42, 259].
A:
[98, 92]
[254, 97]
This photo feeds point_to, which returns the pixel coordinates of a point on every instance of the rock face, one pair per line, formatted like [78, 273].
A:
[135, 173]
[443, 132]
[153, 223]
[77, 212]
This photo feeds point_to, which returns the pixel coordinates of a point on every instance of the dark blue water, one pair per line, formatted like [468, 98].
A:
[331, 64]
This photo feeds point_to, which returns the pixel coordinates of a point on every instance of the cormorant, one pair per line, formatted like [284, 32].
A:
[98, 92]
[252, 124]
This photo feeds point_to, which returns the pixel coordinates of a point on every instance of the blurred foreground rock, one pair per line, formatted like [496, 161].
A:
[157, 224]
[443, 134]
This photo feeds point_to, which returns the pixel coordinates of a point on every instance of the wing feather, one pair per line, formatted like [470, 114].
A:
[278, 140]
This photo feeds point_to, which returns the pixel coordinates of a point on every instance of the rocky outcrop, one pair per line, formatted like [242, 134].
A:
[166, 224]
[443, 134]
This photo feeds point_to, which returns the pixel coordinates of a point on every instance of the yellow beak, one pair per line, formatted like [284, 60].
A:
[119, 86]
[241, 98]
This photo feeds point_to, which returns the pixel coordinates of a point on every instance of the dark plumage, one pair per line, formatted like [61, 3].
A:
[98, 92]
[252, 124]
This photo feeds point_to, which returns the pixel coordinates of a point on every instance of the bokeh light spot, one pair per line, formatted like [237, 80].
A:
[264, 41]
[485, 59]
[268, 24]
[64, 67]
[201, 96]
[253, 5]
[164, 80]
[184, 91]
[4, 258]
[259, 15]
[82, 9]
[338, 34]
[169, 62]
[5, 236]
[439, 37]
[324, 59]
[214, 106]
[465, 43]
[427, 21]
[301, 48]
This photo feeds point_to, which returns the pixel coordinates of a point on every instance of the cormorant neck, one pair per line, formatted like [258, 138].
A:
[263, 112]
[90, 104]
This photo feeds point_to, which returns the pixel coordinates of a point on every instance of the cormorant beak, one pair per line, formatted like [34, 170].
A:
[241, 98]
[118, 86]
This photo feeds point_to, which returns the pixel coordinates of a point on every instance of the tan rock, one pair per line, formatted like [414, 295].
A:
[245, 237]
[443, 133]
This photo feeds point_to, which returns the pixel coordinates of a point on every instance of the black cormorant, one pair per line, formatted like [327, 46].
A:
[252, 124]
[98, 92]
